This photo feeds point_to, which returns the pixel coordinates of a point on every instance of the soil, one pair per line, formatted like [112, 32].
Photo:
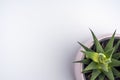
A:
[103, 43]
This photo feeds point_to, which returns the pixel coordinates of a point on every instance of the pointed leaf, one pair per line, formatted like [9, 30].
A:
[86, 71]
[109, 74]
[116, 72]
[84, 61]
[86, 48]
[92, 55]
[115, 63]
[116, 56]
[110, 42]
[104, 67]
[99, 48]
[95, 74]
[109, 53]
[91, 66]
[102, 76]
[117, 45]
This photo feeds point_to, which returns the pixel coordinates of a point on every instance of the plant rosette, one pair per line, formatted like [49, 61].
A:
[99, 58]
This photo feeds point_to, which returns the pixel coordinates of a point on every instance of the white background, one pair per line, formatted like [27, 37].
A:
[38, 38]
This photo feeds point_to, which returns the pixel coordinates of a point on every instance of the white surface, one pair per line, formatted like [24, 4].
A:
[38, 38]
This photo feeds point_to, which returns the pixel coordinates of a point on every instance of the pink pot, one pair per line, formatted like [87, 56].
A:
[78, 67]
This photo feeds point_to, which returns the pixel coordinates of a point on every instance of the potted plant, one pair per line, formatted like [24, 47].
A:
[99, 59]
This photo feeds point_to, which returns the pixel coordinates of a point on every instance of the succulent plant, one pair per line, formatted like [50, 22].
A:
[102, 62]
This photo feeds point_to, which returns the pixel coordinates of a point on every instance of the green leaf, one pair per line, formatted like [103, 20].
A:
[110, 52]
[117, 45]
[86, 48]
[116, 72]
[109, 74]
[110, 42]
[115, 63]
[101, 76]
[92, 55]
[87, 71]
[102, 58]
[99, 48]
[95, 74]
[116, 56]
[104, 67]
[84, 61]
[91, 66]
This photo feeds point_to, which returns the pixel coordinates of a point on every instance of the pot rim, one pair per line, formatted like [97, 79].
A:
[78, 67]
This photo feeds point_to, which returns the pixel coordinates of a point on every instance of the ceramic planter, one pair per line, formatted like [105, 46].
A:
[78, 67]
